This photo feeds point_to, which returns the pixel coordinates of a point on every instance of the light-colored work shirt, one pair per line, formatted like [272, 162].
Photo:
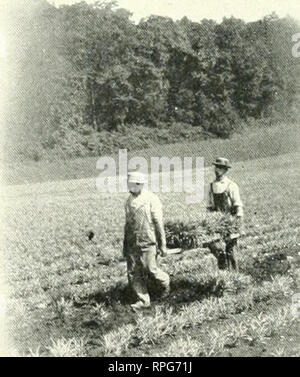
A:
[232, 195]
[144, 221]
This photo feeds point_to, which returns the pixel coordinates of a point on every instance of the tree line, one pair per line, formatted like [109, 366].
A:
[88, 80]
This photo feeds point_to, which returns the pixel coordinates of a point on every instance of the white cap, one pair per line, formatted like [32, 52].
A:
[136, 177]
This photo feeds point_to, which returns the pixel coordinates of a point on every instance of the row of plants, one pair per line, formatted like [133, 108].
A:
[253, 330]
[165, 323]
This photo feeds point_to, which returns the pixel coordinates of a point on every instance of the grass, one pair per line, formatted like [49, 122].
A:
[163, 323]
[116, 342]
[252, 330]
[261, 141]
[183, 347]
[67, 348]
[74, 291]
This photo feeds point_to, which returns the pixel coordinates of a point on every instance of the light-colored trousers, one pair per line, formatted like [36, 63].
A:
[142, 263]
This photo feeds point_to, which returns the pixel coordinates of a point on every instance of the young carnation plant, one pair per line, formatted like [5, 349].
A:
[192, 234]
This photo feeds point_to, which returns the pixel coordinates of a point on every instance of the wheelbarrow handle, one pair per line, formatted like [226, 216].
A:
[174, 251]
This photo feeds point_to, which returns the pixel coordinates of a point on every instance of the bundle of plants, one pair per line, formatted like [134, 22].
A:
[219, 225]
[191, 234]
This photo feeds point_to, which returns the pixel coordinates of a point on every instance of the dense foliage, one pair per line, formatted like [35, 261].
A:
[87, 80]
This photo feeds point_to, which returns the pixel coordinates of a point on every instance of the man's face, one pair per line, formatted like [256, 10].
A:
[135, 188]
[219, 171]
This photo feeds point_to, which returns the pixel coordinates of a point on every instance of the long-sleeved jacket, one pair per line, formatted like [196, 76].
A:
[144, 222]
[224, 196]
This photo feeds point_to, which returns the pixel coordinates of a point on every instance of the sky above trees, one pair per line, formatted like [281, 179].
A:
[196, 10]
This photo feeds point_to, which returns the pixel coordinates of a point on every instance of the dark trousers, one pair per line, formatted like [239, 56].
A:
[225, 254]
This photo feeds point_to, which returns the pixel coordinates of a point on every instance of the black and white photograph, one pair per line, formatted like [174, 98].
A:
[150, 181]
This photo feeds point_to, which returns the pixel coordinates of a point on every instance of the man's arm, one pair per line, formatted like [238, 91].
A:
[157, 218]
[238, 206]
[236, 200]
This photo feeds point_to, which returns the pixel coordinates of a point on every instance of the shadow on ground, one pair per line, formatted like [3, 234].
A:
[117, 301]
[182, 290]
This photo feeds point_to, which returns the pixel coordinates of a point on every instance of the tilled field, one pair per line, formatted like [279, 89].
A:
[69, 295]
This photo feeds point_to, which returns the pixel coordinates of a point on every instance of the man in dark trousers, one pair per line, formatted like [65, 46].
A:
[224, 196]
